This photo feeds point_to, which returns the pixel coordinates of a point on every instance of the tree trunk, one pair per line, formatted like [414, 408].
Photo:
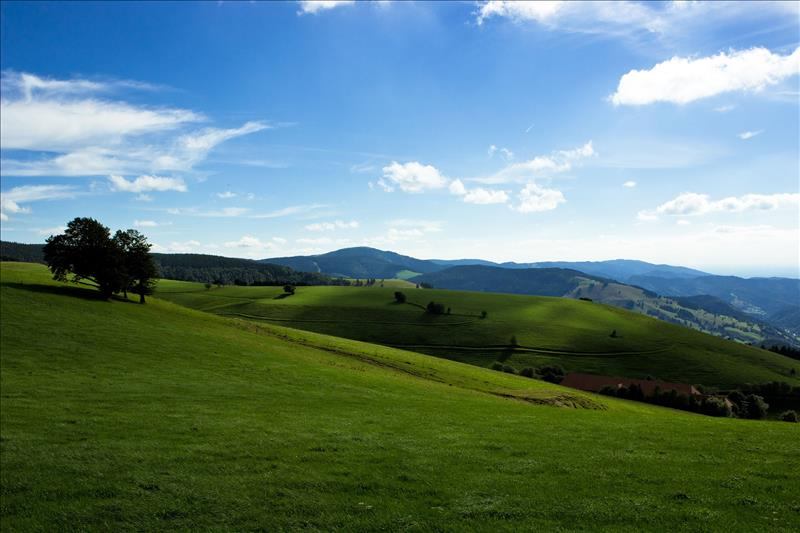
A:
[141, 297]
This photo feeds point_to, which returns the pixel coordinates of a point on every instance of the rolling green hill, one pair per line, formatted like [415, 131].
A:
[701, 313]
[573, 333]
[118, 416]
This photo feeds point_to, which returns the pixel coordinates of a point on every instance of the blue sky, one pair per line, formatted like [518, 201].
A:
[667, 132]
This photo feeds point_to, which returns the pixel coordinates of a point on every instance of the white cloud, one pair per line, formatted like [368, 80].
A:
[316, 6]
[11, 200]
[226, 195]
[635, 21]
[92, 136]
[225, 212]
[330, 226]
[248, 241]
[693, 204]
[47, 232]
[745, 135]
[184, 247]
[485, 196]
[411, 177]
[724, 108]
[145, 223]
[505, 152]
[629, 184]
[147, 183]
[477, 195]
[143, 198]
[426, 226]
[681, 80]
[533, 199]
[291, 210]
[556, 163]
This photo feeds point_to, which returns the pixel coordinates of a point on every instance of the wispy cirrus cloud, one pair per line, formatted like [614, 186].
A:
[85, 134]
[13, 200]
[331, 226]
[745, 135]
[557, 162]
[694, 204]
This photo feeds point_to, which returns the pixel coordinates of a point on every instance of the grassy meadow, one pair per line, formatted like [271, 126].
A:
[119, 416]
[575, 334]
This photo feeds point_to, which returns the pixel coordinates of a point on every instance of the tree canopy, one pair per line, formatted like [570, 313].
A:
[87, 251]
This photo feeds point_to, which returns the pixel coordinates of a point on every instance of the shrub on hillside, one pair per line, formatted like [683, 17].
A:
[508, 369]
[484, 314]
[435, 308]
[527, 372]
[497, 365]
[551, 374]
[399, 297]
[755, 407]
[288, 289]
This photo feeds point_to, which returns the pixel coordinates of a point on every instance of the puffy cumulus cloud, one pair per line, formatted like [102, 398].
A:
[226, 195]
[630, 184]
[477, 195]
[331, 226]
[681, 80]
[12, 201]
[180, 247]
[92, 136]
[483, 196]
[694, 204]
[147, 183]
[745, 135]
[542, 165]
[411, 177]
[312, 7]
[533, 199]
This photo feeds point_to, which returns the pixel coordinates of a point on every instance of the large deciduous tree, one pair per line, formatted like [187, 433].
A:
[86, 250]
[136, 266]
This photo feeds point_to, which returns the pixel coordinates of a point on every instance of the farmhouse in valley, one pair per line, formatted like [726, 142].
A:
[596, 383]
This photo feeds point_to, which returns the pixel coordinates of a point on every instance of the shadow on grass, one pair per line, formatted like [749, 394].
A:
[282, 295]
[75, 291]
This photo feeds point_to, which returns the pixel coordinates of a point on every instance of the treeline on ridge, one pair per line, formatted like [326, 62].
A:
[219, 270]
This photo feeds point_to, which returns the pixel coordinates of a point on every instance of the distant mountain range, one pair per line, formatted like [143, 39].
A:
[772, 302]
[746, 309]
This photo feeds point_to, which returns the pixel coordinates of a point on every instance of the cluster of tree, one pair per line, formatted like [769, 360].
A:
[256, 275]
[788, 351]
[424, 285]
[779, 394]
[550, 373]
[369, 282]
[399, 297]
[25, 253]
[707, 405]
[118, 264]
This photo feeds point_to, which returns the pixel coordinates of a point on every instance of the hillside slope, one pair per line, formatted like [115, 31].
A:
[574, 284]
[157, 417]
[573, 333]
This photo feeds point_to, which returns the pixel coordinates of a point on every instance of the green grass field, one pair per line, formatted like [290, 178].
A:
[118, 416]
[575, 334]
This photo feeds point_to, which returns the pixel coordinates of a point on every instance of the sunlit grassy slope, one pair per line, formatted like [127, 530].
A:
[575, 334]
[117, 416]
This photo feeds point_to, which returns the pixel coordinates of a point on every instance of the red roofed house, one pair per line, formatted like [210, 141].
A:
[595, 383]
